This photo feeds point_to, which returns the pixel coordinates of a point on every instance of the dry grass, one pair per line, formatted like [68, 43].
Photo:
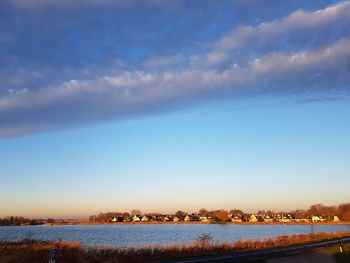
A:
[69, 252]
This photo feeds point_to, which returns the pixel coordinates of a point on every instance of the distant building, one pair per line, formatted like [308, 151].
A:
[285, 219]
[127, 219]
[268, 219]
[136, 218]
[336, 219]
[144, 219]
[316, 219]
[117, 219]
[253, 218]
[187, 218]
[236, 218]
[204, 219]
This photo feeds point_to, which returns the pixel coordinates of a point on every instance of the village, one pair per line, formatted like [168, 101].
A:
[233, 218]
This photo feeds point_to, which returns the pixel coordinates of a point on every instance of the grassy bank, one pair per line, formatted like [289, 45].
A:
[69, 252]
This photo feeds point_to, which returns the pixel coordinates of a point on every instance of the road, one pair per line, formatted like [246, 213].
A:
[260, 254]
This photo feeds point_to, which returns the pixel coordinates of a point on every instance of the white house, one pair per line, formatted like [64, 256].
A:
[187, 218]
[268, 219]
[316, 219]
[253, 218]
[236, 218]
[136, 218]
[285, 219]
[336, 219]
[144, 219]
[204, 219]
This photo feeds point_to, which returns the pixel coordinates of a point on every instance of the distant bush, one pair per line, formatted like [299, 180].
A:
[17, 221]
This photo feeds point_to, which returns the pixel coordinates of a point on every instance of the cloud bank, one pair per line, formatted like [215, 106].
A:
[303, 53]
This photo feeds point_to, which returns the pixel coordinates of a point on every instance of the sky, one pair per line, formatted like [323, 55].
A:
[168, 105]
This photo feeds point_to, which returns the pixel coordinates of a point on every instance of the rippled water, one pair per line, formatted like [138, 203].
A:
[140, 235]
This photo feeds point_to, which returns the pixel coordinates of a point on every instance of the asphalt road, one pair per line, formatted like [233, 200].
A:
[260, 254]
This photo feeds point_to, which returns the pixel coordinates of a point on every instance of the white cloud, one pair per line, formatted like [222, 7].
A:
[279, 63]
[267, 33]
[216, 57]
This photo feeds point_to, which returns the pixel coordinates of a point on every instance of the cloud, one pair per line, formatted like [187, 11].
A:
[298, 23]
[133, 93]
[244, 61]
[161, 62]
[31, 5]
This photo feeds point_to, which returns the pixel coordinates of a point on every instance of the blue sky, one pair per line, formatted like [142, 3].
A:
[166, 105]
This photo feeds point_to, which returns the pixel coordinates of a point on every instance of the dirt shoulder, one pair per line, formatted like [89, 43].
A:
[316, 256]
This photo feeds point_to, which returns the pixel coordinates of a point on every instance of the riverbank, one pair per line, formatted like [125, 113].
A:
[38, 251]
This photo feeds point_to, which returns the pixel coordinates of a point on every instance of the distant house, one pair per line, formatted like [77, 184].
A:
[302, 218]
[156, 218]
[166, 218]
[144, 219]
[136, 218]
[127, 219]
[194, 217]
[187, 218]
[278, 217]
[117, 219]
[204, 219]
[268, 219]
[253, 218]
[285, 219]
[316, 219]
[336, 219]
[236, 218]
[176, 219]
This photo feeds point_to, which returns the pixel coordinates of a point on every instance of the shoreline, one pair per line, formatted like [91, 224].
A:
[74, 223]
[229, 223]
[200, 223]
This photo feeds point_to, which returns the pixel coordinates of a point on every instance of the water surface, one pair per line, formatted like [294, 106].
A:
[140, 235]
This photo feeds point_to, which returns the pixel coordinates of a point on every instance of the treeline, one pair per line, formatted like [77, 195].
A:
[106, 217]
[18, 221]
[342, 211]
[218, 215]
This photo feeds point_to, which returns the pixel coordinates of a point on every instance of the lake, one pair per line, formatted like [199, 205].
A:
[146, 234]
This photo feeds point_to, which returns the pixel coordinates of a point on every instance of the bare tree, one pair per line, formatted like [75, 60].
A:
[135, 212]
[180, 213]
[203, 212]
